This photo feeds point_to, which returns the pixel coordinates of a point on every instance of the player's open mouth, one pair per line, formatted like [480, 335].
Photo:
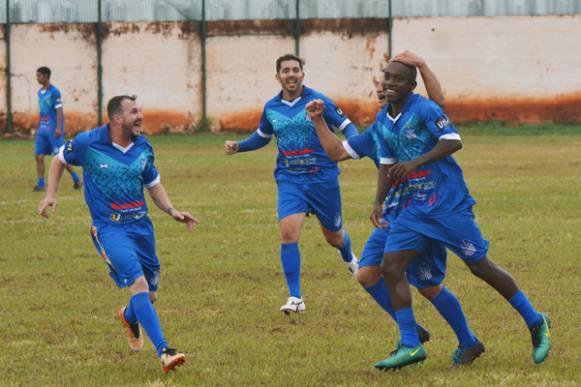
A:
[390, 93]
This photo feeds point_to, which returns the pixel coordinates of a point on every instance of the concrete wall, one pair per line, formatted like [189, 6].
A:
[518, 69]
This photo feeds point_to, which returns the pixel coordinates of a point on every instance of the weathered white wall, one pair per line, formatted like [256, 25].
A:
[2, 78]
[161, 64]
[70, 54]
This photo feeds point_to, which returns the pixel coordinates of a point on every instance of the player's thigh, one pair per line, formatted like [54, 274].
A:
[143, 237]
[117, 249]
[324, 200]
[42, 144]
[429, 268]
[291, 200]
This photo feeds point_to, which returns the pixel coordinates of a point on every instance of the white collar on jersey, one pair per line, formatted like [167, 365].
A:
[291, 103]
[122, 149]
[394, 120]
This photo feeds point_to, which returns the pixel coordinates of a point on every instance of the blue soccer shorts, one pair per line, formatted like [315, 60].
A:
[129, 252]
[321, 199]
[46, 144]
[458, 231]
[428, 269]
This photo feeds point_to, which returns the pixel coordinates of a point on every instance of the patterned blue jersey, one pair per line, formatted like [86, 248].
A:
[301, 156]
[49, 101]
[113, 176]
[436, 188]
[366, 144]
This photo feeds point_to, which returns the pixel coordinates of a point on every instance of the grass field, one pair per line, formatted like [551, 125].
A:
[221, 287]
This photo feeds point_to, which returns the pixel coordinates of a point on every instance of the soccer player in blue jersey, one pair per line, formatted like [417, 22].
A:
[427, 272]
[416, 144]
[50, 135]
[118, 162]
[307, 180]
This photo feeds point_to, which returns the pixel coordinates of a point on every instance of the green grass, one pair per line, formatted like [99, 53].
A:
[221, 287]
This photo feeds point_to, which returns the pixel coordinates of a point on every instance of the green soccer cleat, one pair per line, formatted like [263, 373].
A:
[465, 356]
[541, 336]
[401, 357]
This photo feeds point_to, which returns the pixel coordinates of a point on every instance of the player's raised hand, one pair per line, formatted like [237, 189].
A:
[44, 205]
[409, 58]
[231, 147]
[187, 218]
[315, 108]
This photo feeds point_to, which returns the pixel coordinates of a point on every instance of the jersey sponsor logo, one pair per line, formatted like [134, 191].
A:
[69, 146]
[339, 111]
[126, 206]
[442, 122]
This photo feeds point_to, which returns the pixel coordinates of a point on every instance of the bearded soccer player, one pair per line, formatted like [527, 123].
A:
[118, 162]
[306, 178]
[50, 135]
[416, 145]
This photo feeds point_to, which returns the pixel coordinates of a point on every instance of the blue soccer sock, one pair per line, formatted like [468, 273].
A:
[291, 266]
[408, 328]
[145, 312]
[449, 307]
[40, 182]
[522, 304]
[129, 315]
[345, 250]
[75, 177]
[380, 294]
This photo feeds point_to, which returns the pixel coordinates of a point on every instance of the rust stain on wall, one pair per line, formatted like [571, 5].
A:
[250, 27]
[346, 28]
[167, 121]
[118, 29]
[86, 30]
[242, 121]
[75, 122]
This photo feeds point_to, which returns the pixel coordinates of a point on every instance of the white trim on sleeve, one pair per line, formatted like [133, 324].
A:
[350, 150]
[58, 106]
[61, 154]
[262, 134]
[450, 136]
[387, 160]
[155, 182]
[344, 124]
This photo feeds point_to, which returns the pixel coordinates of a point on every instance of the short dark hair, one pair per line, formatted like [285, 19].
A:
[288, 57]
[114, 104]
[44, 71]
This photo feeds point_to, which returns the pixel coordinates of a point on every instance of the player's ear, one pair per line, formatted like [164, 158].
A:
[413, 85]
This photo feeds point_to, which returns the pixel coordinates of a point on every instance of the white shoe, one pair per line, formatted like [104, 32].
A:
[293, 305]
[352, 266]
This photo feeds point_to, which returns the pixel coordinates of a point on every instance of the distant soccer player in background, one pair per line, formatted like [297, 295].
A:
[306, 178]
[416, 145]
[118, 162]
[427, 272]
[51, 134]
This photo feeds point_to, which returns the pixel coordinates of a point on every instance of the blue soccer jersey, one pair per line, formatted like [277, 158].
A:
[438, 187]
[49, 101]
[301, 155]
[114, 176]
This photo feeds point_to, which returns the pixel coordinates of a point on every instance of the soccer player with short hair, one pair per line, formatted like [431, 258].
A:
[427, 272]
[50, 135]
[416, 144]
[118, 162]
[306, 178]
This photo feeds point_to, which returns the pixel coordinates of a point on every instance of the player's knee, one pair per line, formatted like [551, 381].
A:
[139, 286]
[289, 235]
[430, 292]
[335, 239]
[368, 276]
[390, 267]
[483, 268]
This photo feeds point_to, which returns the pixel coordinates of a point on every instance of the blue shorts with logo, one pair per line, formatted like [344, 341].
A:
[321, 199]
[429, 269]
[46, 143]
[458, 231]
[129, 251]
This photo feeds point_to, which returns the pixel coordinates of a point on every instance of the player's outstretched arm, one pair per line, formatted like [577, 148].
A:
[250, 143]
[331, 143]
[54, 176]
[433, 86]
[160, 198]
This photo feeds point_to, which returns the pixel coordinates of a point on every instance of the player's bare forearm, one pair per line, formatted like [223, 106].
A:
[331, 143]
[159, 196]
[442, 149]
[55, 173]
[383, 183]
[59, 123]
[433, 86]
